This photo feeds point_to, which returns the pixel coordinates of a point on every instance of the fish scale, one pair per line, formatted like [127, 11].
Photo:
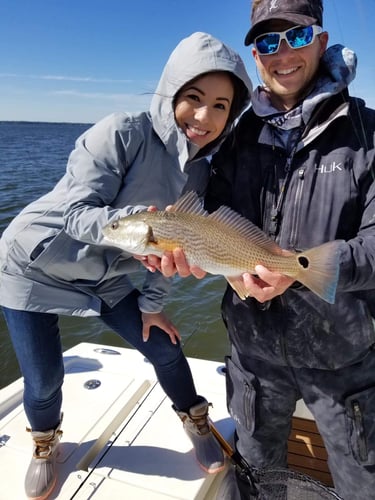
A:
[209, 244]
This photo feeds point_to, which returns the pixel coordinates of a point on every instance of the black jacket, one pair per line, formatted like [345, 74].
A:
[330, 195]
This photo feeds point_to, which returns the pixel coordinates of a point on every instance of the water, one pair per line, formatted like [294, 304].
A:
[33, 157]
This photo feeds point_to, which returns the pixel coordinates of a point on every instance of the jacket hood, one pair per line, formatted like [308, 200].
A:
[195, 55]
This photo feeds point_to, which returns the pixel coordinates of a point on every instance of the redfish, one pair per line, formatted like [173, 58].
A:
[223, 243]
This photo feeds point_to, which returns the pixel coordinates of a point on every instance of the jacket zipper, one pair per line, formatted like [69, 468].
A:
[297, 206]
[360, 432]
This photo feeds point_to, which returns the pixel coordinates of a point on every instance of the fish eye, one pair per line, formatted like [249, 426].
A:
[114, 225]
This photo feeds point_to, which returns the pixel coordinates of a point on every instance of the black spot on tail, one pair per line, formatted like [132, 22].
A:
[304, 261]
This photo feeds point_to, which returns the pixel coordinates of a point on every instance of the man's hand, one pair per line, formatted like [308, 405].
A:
[160, 320]
[267, 284]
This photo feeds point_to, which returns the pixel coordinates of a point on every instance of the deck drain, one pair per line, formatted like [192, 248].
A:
[92, 384]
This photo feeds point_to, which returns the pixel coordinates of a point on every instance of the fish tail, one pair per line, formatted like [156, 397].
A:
[319, 270]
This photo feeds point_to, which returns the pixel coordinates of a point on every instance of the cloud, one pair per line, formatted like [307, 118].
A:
[81, 79]
[100, 95]
[65, 78]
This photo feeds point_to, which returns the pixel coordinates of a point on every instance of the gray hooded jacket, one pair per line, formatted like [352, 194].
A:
[52, 255]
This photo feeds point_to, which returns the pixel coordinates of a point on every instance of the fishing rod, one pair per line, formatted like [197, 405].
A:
[236, 459]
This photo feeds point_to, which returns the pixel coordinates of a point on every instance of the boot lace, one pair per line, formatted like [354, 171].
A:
[43, 445]
[201, 422]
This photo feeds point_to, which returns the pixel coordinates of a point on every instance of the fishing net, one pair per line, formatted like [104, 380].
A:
[284, 484]
[268, 483]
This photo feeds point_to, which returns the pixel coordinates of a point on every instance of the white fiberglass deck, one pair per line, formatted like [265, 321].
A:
[121, 439]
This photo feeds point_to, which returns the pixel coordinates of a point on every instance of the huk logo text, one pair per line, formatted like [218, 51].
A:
[328, 169]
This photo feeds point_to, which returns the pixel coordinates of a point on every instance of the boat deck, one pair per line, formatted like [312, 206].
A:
[120, 437]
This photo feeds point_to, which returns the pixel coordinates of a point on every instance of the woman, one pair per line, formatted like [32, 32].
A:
[53, 259]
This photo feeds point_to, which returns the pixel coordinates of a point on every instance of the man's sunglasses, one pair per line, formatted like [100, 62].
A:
[296, 38]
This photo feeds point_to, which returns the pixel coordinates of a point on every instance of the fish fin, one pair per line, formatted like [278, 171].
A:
[236, 282]
[246, 228]
[189, 203]
[319, 269]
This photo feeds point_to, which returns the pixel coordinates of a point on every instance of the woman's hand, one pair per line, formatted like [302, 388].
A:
[175, 263]
[151, 262]
[160, 320]
[171, 263]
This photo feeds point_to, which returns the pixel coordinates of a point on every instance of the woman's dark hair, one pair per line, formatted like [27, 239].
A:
[240, 96]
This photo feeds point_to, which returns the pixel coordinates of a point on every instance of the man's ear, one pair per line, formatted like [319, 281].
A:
[323, 37]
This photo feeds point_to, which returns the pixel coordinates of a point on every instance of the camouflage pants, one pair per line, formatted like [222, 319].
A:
[262, 397]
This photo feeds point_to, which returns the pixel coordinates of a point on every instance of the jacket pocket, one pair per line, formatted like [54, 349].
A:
[241, 395]
[360, 415]
[67, 260]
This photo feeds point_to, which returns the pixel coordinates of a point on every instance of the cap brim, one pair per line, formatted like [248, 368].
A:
[298, 19]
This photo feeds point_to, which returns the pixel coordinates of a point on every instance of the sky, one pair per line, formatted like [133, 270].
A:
[79, 60]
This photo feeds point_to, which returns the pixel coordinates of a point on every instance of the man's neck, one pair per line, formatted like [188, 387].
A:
[286, 102]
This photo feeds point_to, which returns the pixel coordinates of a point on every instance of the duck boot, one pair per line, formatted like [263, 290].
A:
[41, 475]
[196, 425]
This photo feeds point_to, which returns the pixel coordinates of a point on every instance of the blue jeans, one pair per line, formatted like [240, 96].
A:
[36, 341]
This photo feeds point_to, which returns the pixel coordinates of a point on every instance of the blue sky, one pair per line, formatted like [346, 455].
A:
[79, 60]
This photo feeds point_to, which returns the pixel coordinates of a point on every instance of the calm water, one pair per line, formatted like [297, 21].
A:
[33, 157]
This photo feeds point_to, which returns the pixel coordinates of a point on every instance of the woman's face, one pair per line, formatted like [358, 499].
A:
[202, 107]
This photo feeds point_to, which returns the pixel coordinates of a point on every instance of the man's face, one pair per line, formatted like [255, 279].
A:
[289, 72]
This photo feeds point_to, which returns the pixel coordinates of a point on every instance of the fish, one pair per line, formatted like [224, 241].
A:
[223, 243]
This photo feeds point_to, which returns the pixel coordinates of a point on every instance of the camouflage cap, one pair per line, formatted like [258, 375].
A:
[299, 12]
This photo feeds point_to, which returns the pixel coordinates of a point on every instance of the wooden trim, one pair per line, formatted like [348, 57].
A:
[306, 451]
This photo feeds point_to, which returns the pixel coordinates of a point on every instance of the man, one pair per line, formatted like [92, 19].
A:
[300, 165]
